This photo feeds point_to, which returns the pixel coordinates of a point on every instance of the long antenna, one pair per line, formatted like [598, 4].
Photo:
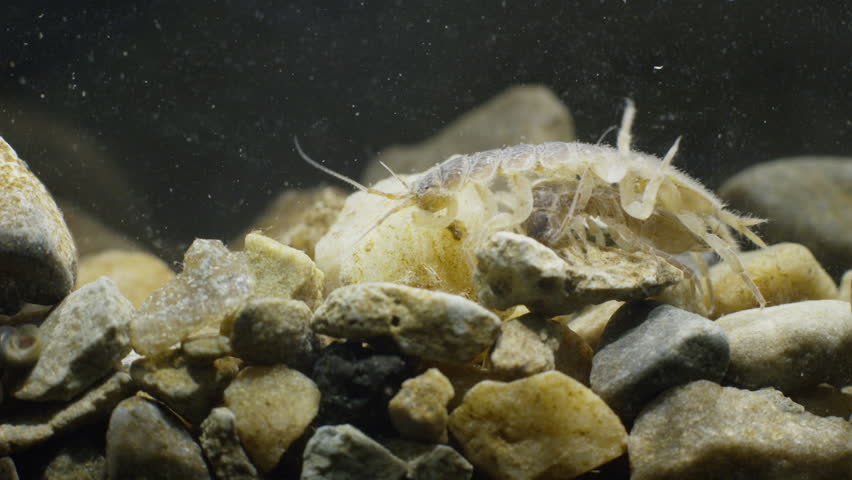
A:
[327, 170]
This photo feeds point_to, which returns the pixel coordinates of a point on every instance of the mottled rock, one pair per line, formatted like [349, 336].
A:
[589, 323]
[423, 323]
[145, 442]
[532, 344]
[188, 387]
[791, 346]
[38, 259]
[514, 270]
[805, 199]
[519, 114]
[343, 452]
[419, 409]
[282, 271]
[275, 330]
[213, 286]
[648, 348]
[545, 426]
[221, 446]
[83, 340]
[703, 430]
[136, 273]
[430, 462]
[356, 384]
[273, 406]
[784, 273]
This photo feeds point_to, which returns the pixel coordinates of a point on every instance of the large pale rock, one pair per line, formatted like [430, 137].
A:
[419, 409]
[282, 271]
[38, 259]
[545, 426]
[136, 273]
[703, 430]
[423, 323]
[343, 452]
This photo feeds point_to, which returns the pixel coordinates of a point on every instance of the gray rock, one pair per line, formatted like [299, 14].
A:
[423, 323]
[790, 347]
[84, 338]
[514, 269]
[647, 348]
[38, 259]
[703, 430]
[805, 199]
[221, 446]
[343, 452]
[144, 442]
[275, 330]
[430, 462]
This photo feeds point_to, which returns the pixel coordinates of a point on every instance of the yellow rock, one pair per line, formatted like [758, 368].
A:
[784, 273]
[282, 271]
[419, 409]
[547, 426]
[136, 273]
[589, 323]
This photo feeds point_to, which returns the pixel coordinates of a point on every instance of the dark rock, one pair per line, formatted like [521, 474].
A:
[275, 330]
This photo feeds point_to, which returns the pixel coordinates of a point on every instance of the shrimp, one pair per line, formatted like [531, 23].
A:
[564, 193]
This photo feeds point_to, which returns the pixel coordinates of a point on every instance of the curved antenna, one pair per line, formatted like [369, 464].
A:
[605, 133]
[400, 180]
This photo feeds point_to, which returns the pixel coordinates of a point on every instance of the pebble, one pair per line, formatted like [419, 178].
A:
[589, 323]
[784, 273]
[7, 469]
[282, 271]
[356, 384]
[648, 348]
[275, 330]
[143, 441]
[430, 462]
[703, 430]
[36, 248]
[84, 338]
[423, 323]
[83, 459]
[214, 285]
[419, 410]
[805, 199]
[273, 406]
[342, 452]
[790, 347]
[221, 445]
[533, 344]
[545, 425]
[136, 273]
[514, 269]
[206, 348]
[190, 388]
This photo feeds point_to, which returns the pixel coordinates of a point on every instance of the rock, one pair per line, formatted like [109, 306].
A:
[430, 462]
[142, 441]
[213, 286]
[7, 469]
[38, 259]
[206, 348]
[356, 384]
[80, 460]
[532, 344]
[790, 347]
[703, 430]
[513, 269]
[275, 330]
[136, 273]
[805, 199]
[419, 409]
[298, 218]
[844, 290]
[826, 401]
[784, 273]
[545, 426]
[189, 388]
[91, 236]
[648, 348]
[423, 323]
[84, 338]
[273, 406]
[519, 114]
[343, 452]
[463, 377]
[282, 271]
[221, 446]
[589, 323]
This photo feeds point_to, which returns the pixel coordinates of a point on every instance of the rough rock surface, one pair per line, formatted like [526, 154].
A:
[419, 409]
[221, 446]
[430, 462]
[590, 322]
[273, 406]
[514, 269]
[545, 426]
[423, 323]
[343, 452]
[206, 348]
[81, 460]
[83, 339]
[282, 271]
[791, 346]
[136, 273]
[145, 442]
[38, 259]
[703, 430]
[648, 347]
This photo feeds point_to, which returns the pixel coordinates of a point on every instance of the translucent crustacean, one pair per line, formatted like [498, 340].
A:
[564, 193]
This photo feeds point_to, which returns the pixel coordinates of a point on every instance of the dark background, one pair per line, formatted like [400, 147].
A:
[174, 119]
